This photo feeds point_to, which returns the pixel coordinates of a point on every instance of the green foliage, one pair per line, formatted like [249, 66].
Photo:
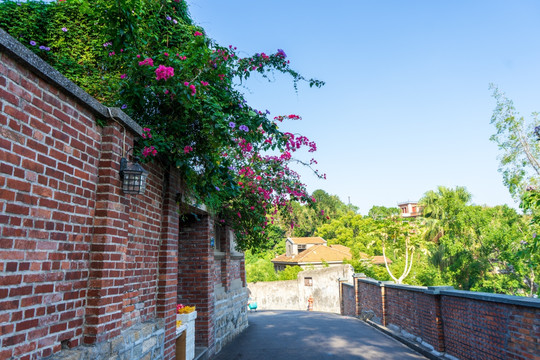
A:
[518, 142]
[469, 247]
[354, 231]
[306, 219]
[67, 36]
[260, 270]
[382, 212]
[475, 248]
[147, 57]
[289, 273]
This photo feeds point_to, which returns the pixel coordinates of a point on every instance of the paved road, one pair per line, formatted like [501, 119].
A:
[303, 335]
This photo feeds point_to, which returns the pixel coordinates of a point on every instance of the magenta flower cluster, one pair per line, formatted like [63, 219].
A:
[164, 72]
[192, 87]
[149, 150]
[147, 61]
[146, 133]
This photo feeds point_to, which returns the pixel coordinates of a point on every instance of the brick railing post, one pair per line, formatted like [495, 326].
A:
[341, 304]
[384, 303]
[168, 263]
[109, 244]
[438, 318]
[196, 274]
[357, 276]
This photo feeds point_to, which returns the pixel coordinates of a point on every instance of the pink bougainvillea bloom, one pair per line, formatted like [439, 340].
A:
[146, 133]
[147, 61]
[193, 89]
[197, 33]
[149, 151]
[123, 76]
[166, 54]
[204, 83]
[187, 149]
[164, 72]
[186, 83]
[138, 56]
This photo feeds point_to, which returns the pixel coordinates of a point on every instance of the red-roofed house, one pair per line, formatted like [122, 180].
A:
[314, 251]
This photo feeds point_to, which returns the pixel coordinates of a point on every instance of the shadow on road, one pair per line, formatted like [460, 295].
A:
[312, 335]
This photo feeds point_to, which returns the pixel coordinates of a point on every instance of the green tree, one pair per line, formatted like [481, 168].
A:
[518, 143]
[519, 163]
[382, 212]
[289, 273]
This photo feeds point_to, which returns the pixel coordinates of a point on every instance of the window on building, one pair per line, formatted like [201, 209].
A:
[308, 281]
[301, 248]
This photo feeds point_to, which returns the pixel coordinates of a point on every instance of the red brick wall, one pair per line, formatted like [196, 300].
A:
[49, 150]
[476, 329]
[79, 260]
[371, 299]
[142, 256]
[463, 324]
[416, 312]
[196, 275]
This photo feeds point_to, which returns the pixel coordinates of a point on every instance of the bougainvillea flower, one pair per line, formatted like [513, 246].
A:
[147, 61]
[164, 72]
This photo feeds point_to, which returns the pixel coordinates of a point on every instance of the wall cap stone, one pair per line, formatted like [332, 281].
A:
[407, 287]
[375, 282]
[499, 298]
[431, 290]
[14, 48]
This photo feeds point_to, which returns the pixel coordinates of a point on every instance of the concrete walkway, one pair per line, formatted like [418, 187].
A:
[275, 335]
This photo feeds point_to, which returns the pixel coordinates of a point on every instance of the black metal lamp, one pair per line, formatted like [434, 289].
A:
[133, 177]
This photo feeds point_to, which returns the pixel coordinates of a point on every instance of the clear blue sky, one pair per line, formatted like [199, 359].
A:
[406, 105]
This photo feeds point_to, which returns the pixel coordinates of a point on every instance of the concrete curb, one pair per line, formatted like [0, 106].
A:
[413, 345]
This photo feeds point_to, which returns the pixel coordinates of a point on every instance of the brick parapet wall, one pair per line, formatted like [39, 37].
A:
[490, 326]
[463, 324]
[417, 311]
[370, 300]
[81, 262]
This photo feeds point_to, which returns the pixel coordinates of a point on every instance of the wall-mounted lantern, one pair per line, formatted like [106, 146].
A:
[133, 177]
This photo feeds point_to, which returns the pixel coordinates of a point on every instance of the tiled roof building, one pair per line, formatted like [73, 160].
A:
[314, 251]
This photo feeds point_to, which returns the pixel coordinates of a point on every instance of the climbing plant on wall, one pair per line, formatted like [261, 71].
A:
[150, 59]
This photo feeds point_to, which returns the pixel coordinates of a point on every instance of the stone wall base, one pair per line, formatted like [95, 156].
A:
[230, 315]
[140, 342]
